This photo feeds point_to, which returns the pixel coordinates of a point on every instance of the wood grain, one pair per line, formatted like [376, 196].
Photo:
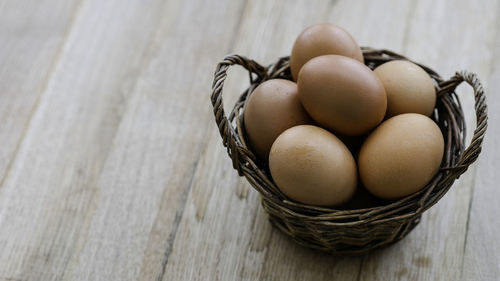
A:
[147, 176]
[383, 24]
[31, 43]
[111, 167]
[481, 260]
[55, 211]
[68, 139]
[434, 250]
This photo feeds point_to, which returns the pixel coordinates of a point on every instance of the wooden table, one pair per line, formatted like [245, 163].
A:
[111, 167]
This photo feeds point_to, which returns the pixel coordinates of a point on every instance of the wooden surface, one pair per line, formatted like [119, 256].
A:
[111, 167]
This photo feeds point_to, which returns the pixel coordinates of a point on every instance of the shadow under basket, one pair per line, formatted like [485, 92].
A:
[360, 230]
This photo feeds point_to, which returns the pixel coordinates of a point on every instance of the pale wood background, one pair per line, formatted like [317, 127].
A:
[111, 167]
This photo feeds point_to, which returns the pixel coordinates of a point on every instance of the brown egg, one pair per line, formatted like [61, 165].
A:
[312, 166]
[272, 108]
[322, 39]
[341, 94]
[408, 87]
[401, 156]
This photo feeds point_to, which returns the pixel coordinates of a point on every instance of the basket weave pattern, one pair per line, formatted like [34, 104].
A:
[361, 230]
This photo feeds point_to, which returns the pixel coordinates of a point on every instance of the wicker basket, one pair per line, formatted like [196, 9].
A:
[350, 231]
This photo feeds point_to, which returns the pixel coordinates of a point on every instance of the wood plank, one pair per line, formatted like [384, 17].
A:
[224, 233]
[31, 42]
[52, 203]
[482, 247]
[449, 36]
[144, 183]
[111, 167]
[47, 196]
[383, 24]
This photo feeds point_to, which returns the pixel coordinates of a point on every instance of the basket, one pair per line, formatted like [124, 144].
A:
[337, 231]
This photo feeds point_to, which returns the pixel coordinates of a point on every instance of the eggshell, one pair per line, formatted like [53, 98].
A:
[312, 166]
[322, 39]
[272, 108]
[341, 94]
[401, 156]
[408, 87]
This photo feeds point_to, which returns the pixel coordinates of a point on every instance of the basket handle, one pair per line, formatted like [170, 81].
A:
[472, 151]
[227, 132]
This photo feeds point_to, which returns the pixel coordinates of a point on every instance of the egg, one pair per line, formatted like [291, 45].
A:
[322, 39]
[401, 156]
[408, 87]
[272, 108]
[341, 94]
[312, 166]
